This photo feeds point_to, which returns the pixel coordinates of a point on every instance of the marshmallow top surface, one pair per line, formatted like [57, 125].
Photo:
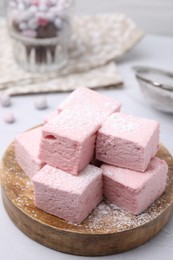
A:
[90, 99]
[30, 140]
[132, 179]
[58, 179]
[134, 129]
[82, 114]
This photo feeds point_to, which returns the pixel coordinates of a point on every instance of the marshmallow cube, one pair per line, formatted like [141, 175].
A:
[27, 151]
[67, 196]
[68, 140]
[134, 191]
[90, 99]
[127, 141]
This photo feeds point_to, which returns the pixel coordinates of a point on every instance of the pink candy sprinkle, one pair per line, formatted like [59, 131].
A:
[40, 103]
[5, 100]
[35, 2]
[9, 118]
[42, 21]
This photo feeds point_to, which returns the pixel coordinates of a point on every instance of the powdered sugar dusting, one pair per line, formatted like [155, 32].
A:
[105, 219]
[109, 217]
[124, 124]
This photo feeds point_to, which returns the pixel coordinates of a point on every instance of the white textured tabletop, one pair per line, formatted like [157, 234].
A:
[153, 51]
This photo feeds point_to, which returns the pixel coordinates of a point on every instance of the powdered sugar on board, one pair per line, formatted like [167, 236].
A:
[112, 218]
[105, 219]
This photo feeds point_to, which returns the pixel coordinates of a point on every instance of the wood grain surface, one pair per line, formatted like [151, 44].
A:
[99, 234]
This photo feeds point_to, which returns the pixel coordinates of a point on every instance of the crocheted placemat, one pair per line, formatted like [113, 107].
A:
[95, 44]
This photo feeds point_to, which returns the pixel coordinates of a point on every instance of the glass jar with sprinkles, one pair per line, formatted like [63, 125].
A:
[40, 30]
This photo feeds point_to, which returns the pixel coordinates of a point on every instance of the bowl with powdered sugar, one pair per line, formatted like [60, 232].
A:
[157, 87]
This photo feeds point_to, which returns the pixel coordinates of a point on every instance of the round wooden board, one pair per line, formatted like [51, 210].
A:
[107, 230]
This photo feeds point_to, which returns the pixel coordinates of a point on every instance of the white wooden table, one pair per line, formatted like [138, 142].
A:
[153, 51]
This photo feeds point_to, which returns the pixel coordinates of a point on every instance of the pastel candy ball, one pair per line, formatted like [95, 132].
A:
[42, 21]
[9, 118]
[21, 6]
[53, 2]
[43, 8]
[23, 26]
[53, 10]
[40, 103]
[25, 15]
[58, 23]
[50, 16]
[35, 2]
[32, 24]
[27, 2]
[5, 100]
[32, 9]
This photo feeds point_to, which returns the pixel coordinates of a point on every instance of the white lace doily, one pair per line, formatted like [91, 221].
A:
[96, 42]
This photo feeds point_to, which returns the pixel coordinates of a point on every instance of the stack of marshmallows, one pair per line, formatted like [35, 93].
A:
[61, 158]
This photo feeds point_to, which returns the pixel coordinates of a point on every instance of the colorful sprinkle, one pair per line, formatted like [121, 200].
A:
[42, 21]
[5, 100]
[9, 118]
[31, 15]
[40, 103]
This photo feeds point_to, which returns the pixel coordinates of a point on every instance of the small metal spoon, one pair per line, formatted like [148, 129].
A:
[156, 77]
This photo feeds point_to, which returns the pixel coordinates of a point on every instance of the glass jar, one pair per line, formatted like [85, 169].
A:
[40, 30]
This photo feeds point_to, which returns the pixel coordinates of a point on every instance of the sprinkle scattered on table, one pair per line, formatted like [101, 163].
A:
[5, 100]
[9, 117]
[40, 103]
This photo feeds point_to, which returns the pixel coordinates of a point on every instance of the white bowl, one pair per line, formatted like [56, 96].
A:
[157, 86]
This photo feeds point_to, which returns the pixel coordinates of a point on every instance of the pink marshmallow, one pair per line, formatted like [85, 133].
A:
[127, 141]
[135, 191]
[27, 150]
[66, 196]
[51, 116]
[86, 98]
[68, 140]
